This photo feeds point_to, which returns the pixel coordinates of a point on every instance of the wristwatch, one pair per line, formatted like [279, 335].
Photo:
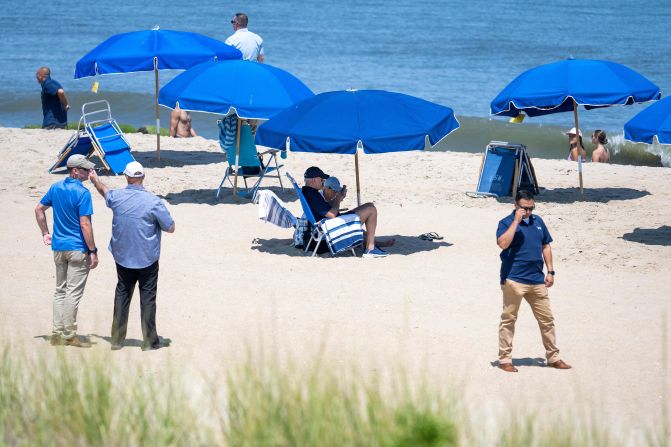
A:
[94, 251]
[551, 272]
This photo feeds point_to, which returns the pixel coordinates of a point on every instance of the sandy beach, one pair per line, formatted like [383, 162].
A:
[229, 280]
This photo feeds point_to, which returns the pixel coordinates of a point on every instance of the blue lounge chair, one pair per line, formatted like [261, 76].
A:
[505, 168]
[251, 164]
[341, 233]
[97, 134]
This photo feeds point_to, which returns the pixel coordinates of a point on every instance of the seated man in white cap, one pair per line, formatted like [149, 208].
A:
[322, 208]
[139, 218]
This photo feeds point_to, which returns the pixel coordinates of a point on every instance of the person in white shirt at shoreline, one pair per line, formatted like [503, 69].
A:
[249, 43]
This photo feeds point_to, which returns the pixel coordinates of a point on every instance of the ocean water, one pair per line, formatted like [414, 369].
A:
[456, 53]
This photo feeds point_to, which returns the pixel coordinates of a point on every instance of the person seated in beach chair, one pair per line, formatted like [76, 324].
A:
[322, 208]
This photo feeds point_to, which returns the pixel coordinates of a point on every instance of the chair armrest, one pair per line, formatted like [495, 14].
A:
[269, 151]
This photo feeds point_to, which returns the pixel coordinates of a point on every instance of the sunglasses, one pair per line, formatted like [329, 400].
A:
[528, 209]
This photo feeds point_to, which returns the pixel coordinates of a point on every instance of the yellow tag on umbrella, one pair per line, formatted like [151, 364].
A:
[517, 119]
[94, 87]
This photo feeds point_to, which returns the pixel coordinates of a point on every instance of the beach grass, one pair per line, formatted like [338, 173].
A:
[87, 400]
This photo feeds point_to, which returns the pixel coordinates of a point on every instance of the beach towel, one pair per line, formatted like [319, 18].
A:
[302, 232]
[273, 210]
[342, 232]
[228, 128]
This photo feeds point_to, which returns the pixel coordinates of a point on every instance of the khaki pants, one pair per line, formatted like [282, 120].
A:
[72, 270]
[537, 297]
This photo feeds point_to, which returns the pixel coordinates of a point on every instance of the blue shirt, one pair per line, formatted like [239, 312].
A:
[69, 200]
[139, 217]
[52, 110]
[522, 261]
[318, 205]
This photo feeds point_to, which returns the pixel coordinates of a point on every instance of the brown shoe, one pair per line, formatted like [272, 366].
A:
[508, 367]
[56, 340]
[559, 364]
[76, 342]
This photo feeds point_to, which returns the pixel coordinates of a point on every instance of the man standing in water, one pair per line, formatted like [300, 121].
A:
[249, 43]
[54, 102]
[180, 124]
[525, 241]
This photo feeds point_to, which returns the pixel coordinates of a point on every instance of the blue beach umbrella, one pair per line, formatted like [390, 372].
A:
[152, 50]
[341, 122]
[248, 89]
[654, 121]
[565, 85]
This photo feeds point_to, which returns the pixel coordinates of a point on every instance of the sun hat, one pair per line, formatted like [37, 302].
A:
[572, 132]
[134, 169]
[333, 183]
[314, 172]
[79, 161]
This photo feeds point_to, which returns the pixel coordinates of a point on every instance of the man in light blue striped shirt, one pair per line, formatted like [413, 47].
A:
[139, 219]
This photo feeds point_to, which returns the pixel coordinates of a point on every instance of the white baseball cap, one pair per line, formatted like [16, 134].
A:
[333, 183]
[134, 169]
[572, 132]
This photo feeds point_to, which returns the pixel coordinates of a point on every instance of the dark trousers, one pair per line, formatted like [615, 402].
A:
[148, 281]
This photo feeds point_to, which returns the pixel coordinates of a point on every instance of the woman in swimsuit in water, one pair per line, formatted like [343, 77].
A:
[575, 146]
[601, 153]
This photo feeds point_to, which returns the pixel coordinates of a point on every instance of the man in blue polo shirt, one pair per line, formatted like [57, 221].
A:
[321, 209]
[139, 219]
[74, 249]
[54, 102]
[525, 241]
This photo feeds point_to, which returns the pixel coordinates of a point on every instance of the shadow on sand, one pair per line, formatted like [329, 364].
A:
[208, 196]
[650, 236]
[526, 361]
[177, 159]
[596, 195]
[405, 245]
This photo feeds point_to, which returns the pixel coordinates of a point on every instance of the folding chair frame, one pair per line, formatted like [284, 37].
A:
[316, 233]
[265, 170]
[85, 128]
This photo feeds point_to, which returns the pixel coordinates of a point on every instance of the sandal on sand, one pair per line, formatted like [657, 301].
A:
[431, 236]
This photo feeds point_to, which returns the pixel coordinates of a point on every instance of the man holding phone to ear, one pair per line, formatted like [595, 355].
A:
[525, 241]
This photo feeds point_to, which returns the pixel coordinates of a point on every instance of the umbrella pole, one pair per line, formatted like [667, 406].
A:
[158, 119]
[356, 169]
[577, 133]
[237, 159]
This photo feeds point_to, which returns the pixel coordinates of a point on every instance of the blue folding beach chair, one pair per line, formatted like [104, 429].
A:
[341, 233]
[97, 134]
[251, 164]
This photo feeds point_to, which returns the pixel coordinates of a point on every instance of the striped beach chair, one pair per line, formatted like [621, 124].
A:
[342, 233]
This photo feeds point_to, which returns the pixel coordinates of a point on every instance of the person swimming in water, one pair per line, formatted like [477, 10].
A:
[575, 145]
[601, 153]
[180, 124]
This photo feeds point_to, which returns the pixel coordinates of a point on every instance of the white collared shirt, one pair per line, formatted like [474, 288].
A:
[249, 43]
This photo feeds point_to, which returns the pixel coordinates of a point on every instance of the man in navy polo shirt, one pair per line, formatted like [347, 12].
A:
[321, 209]
[525, 241]
[54, 102]
[74, 249]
